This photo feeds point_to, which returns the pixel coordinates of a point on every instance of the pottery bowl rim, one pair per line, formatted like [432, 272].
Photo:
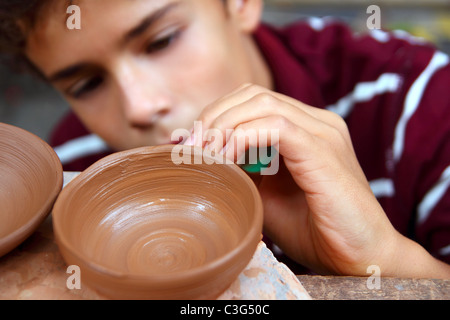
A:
[208, 269]
[16, 237]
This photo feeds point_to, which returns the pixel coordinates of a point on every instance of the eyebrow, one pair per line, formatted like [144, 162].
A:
[148, 21]
[144, 25]
[68, 72]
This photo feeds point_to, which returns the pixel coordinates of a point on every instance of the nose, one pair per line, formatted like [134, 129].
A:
[144, 100]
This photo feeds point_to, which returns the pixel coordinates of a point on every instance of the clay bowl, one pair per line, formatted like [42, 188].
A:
[140, 226]
[31, 176]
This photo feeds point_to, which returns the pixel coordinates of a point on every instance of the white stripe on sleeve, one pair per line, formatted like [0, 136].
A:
[365, 91]
[445, 251]
[413, 99]
[382, 187]
[432, 198]
[80, 147]
[384, 36]
[320, 23]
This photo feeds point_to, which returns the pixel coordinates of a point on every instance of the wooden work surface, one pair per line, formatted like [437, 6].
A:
[354, 288]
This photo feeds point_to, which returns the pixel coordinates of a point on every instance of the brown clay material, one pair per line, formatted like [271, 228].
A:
[31, 177]
[141, 227]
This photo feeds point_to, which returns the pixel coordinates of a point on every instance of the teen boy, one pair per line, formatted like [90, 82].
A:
[138, 70]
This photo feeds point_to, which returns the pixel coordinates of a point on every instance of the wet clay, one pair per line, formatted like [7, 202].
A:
[141, 227]
[31, 177]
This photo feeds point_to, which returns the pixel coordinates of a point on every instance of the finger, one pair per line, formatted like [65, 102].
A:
[264, 102]
[245, 93]
[259, 107]
[291, 141]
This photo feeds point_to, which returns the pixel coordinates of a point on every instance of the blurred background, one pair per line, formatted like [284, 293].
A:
[32, 105]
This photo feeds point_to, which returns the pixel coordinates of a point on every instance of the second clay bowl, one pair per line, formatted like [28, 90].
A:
[31, 176]
[142, 226]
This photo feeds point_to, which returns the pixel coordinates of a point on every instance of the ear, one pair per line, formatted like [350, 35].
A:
[247, 13]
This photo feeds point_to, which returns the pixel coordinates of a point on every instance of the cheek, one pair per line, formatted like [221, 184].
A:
[103, 119]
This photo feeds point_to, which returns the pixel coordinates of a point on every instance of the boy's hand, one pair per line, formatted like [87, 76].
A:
[319, 208]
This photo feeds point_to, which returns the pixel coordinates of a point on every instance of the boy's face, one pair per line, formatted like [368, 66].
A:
[137, 70]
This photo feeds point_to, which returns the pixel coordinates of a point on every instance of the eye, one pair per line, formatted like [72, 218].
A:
[83, 87]
[162, 43]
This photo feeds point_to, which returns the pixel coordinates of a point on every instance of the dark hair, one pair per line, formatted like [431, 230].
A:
[17, 18]
[13, 34]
